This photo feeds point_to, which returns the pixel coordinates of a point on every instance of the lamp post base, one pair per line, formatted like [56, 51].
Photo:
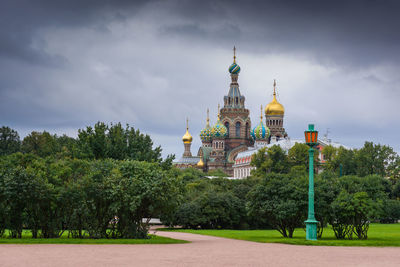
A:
[311, 229]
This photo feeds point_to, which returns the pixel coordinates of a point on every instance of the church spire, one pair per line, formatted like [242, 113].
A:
[261, 117]
[234, 99]
[187, 141]
[234, 54]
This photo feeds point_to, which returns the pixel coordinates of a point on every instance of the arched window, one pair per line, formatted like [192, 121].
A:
[227, 128]
[238, 129]
[236, 100]
[247, 130]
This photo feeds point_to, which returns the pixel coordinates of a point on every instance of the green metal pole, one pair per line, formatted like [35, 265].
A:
[311, 223]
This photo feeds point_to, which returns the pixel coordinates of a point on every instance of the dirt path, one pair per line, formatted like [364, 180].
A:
[203, 251]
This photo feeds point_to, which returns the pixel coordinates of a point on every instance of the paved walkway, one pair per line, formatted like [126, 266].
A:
[203, 251]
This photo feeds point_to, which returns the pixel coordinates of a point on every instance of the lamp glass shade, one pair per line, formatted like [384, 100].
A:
[311, 135]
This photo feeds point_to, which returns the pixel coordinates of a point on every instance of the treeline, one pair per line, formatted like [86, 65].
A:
[101, 184]
[99, 142]
[275, 196]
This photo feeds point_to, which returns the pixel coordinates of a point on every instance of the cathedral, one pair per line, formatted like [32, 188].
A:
[232, 134]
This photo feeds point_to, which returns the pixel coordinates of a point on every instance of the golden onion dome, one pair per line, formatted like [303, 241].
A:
[274, 107]
[200, 164]
[187, 137]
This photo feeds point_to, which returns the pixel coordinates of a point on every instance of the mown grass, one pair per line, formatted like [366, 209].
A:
[379, 235]
[27, 239]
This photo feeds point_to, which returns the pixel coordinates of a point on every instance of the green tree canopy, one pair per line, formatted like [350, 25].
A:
[42, 144]
[281, 201]
[9, 141]
[273, 159]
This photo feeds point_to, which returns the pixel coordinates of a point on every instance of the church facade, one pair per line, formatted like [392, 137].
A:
[233, 134]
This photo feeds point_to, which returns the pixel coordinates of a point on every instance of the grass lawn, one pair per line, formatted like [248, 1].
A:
[27, 239]
[379, 235]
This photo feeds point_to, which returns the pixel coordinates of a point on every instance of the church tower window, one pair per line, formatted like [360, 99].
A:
[227, 128]
[238, 129]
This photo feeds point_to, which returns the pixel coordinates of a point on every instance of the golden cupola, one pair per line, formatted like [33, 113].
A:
[200, 164]
[187, 137]
[274, 107]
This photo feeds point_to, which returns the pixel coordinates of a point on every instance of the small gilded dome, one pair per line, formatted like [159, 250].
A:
[200, 164]
[187, 137]
[234, 68]
[274, 107]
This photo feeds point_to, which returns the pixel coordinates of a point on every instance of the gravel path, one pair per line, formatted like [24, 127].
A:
[203, 251]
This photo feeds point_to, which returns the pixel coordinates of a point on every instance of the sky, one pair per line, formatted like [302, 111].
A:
[65, 65]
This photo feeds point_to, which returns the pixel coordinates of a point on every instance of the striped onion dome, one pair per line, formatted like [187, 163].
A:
[234, 68]
[261, 132]
[205, 134]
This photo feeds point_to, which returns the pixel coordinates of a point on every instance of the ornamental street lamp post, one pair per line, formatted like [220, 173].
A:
[311, 223]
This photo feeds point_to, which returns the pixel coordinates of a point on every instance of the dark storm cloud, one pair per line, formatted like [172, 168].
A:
[66, 64]
[22, 20]
[341, 32]
[348, 32]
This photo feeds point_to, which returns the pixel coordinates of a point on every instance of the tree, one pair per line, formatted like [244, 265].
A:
[273, 159]
[259, 160]
[376, 159]
[391, 211]
[15, 191]
[360, 201]
[103, 141]
[117, 142]
[345, 159]
[298, 155]
[143, 190]
[326, 190]
[98, 209]
[92, 141]
[68, 147]
[9, 141]
[329, 152]
[40, 143]
[281, 201]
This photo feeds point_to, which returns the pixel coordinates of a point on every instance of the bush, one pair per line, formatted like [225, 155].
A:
[391, 211]
[281, 200]
[98, 198]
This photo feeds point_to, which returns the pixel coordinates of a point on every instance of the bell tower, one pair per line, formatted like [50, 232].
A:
[274, 113]
[234, 115]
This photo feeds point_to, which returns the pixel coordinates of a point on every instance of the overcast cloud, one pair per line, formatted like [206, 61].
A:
[68, 64]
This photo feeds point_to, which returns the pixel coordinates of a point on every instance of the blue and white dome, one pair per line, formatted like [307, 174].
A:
[205, 134]
[261, 132]
[234, 68]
